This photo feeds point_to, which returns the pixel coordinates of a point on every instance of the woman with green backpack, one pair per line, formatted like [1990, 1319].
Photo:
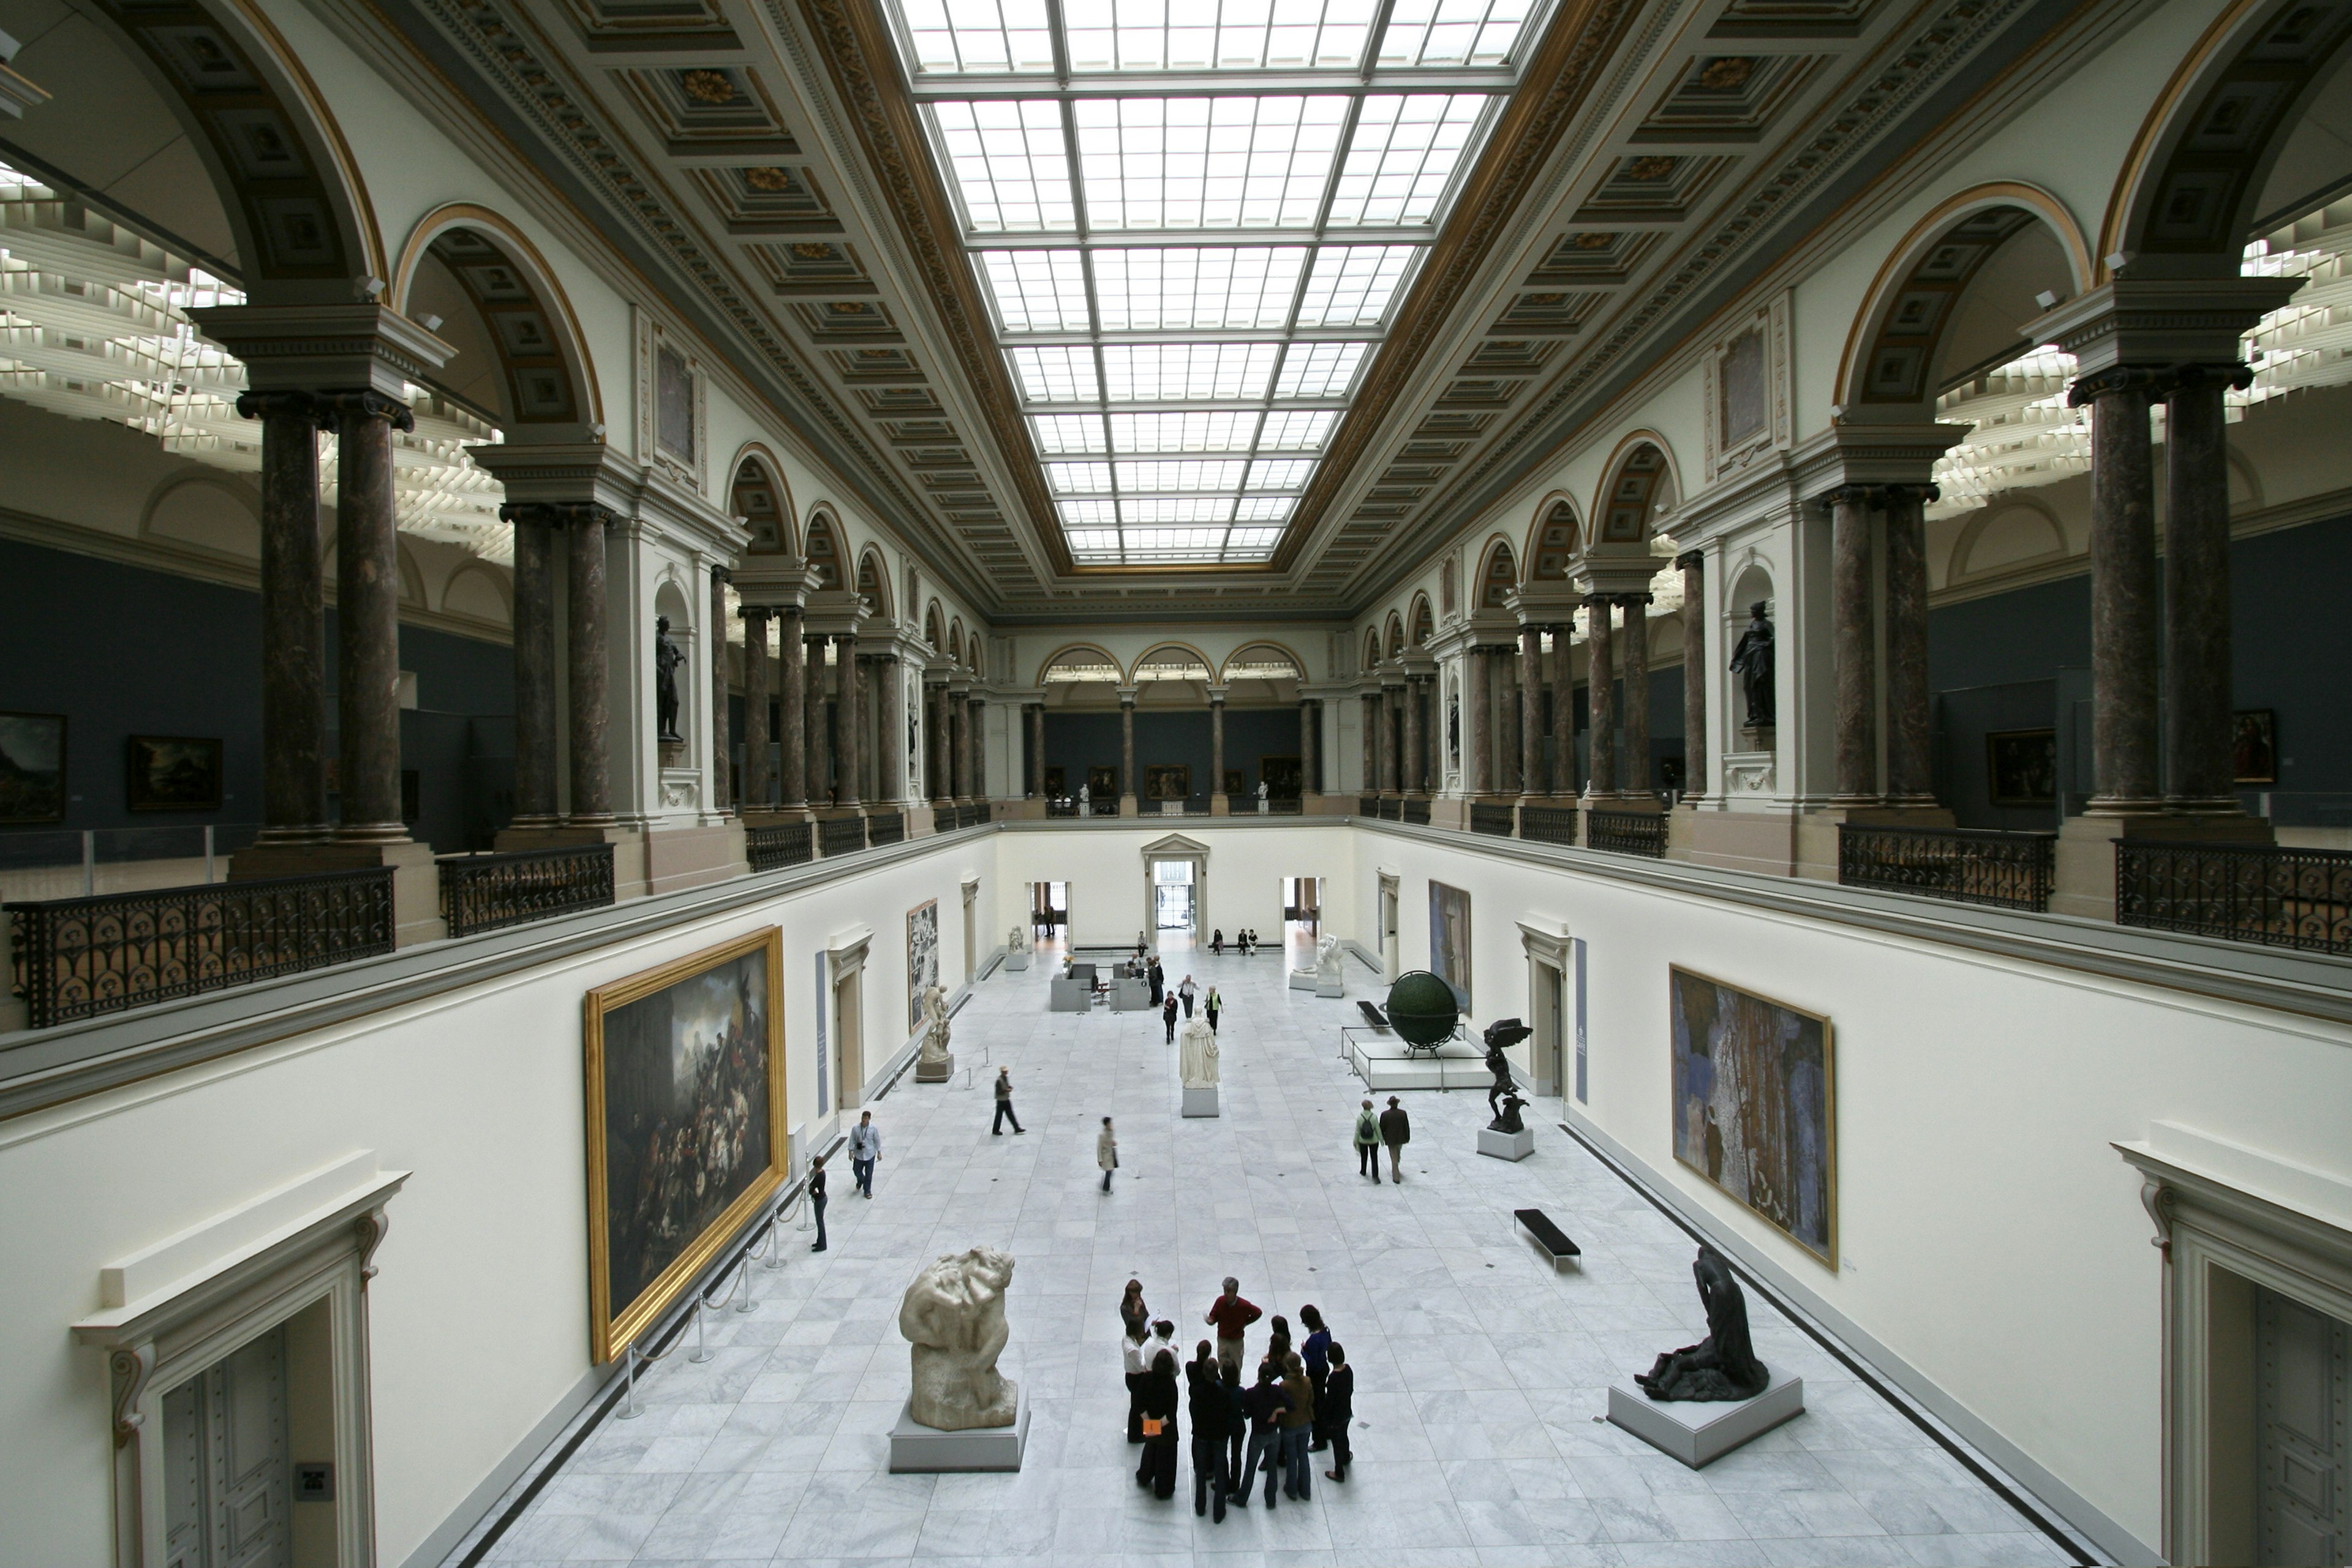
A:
[1368, 1143]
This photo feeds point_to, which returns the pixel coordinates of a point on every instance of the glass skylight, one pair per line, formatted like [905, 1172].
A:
[1195, 222]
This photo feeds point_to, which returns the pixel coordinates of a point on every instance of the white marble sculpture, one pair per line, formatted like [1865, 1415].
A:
[935, 1025]
[1198, 1060]
[953, 1316]
[1327, 959]
[1019, 940]
[1086, 800]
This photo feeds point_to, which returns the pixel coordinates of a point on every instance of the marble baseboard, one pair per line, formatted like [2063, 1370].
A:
[1699, 1432]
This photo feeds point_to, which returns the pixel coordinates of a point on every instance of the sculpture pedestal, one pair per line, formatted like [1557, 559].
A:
[1696, 1431]
[1016, 962]
[1303, 979]
[1201, 1101]
[917, 1450]
[1506, 1145]
[934, 1072]
[1333, 988]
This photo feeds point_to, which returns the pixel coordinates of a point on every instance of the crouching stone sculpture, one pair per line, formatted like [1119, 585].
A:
[953, 1316]
[1721, 1366]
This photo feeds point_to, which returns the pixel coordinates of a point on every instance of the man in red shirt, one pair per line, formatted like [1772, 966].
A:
[1231, 1316]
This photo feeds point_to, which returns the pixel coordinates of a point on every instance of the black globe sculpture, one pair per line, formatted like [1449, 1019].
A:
[1423, 1010]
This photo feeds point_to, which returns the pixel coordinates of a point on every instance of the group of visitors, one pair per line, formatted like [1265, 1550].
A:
[1245, 941]
[1300, 1401]
[1184, 994]
[1391, 1127]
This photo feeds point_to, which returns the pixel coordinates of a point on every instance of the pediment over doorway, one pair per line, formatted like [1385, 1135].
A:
[1173, 845]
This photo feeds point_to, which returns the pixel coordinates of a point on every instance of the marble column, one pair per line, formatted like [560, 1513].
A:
[940, 749]
[848, 760]
[1216, 744]
[1416, 754]
[756, 791]
[1036, 712]
[1127, 789]
[1910, 707]
[1563, 713]
[2199, 764]
[792, 708]
[1854, 656]
[1635, 764]
[1370, 717]
[293, 621]
[2122, 591]
[869, 752]
[1308, 783]
[816, 723]
[721, 761]
[1600, 696]
[1531, 686]
[890, 730]
[367, 617]
[976, 736]
[1697, 673]
[534, 664]
[589, 667]
[1474, 716]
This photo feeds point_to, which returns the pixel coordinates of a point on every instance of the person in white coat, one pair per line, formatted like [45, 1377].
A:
[1107, 1152]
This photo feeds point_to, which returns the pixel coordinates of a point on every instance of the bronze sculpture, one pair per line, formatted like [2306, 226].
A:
[1501, 1036]
[1722, 1367]
[1752, 661]
[667, 659]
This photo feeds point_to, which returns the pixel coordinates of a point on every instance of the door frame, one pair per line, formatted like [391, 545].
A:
[845, 952]
[1175, 847]
[1545, 943]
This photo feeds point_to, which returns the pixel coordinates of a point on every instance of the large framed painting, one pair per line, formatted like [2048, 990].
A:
[922, 957]
[1449, 940]
[1102, 783]
[686, 1124]
[2254, 746]
[1167, 780]
[174, 773]
[1280, 776]
[2021, 767]
[1755, 1105]
[32, 767]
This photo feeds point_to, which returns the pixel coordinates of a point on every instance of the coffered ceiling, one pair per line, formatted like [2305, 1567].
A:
[849, 201]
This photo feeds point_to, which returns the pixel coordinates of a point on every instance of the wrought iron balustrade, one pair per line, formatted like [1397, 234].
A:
[1547, 824]
[79, 958]
[842, 834]
[1064, 806]
[1286, 805]
[1368, 805]
[983, 812]
[2263, 893]
[1417, 810]
[1390, 808]
[487, 892]
[889, 827]
[1626, 832]
[1493, 819]
[1107, 806]
[1966, 866]
[779, 845]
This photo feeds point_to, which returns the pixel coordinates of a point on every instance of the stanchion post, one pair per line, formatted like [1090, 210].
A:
[743, 1284]
[629, 1411]
[702, 1351]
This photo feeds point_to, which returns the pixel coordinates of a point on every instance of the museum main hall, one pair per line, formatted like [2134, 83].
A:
[1269, 784]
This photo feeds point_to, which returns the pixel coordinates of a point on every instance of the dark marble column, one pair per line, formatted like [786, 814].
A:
[293, 621]
[890, 730]
[819, 727]
[721, 794]
[792, 708]
[1308, 783]
[1127, 780]
[1601, 697]
[367, 617]
[756, 791]
[1531, 767]
[1635, 767]
[1910, 709]
[534, 664]
[1384, 739]
[978, 732]
[939, 750]
[1563, 713]
[2122, 591]
[958, 754]
[1216, 744]
[589, 668]
[1414, 781]
[869, 757]
[848, 761]
[1477, 711]
[1369, 714]
[2199, 766]
[1036, 712]
[1697, 673]
[1854, 656]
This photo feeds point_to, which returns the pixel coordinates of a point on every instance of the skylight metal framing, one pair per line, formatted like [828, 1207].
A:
[995, 81]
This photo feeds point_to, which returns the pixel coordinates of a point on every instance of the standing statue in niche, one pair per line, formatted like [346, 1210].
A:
[953, 1316]
[1722, 1367]
[1502, 1096]
[1752, 660]
[667, 659]
[1454, 731]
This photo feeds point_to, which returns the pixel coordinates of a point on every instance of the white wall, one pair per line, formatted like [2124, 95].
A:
[1103, 866]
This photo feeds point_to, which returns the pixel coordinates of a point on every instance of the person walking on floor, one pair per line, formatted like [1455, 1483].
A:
[1264, 1403]
[1134, 1317]
[1159, 980]
[1187, 990]
[1313, 1353]
[1004, 1104]
[1138, 1367]
[1298, 1424]
[1204, 1401]
[1231, 1317]
[1396, 1132]
[1107, 1152]
[1368, 1143]
[865, 1148]
[1229, 1383]
[1337, 1408]
[1210, 1008]
[1168, 1017]
[816, 1199]
[1157, 1470]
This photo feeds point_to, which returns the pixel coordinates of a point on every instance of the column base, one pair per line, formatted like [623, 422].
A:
[1764, 842]
[415, 878]
[1449, 811]
[681, 857]
[1221, 804]
[1127, 805]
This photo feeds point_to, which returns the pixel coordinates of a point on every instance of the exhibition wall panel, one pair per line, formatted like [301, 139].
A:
[1104, 865]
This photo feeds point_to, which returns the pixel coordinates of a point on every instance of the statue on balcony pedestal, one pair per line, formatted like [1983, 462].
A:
[667, 659]
[1752, 661]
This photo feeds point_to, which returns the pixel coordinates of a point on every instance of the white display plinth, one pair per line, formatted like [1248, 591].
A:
[1302, 979]
[1201, 1101]
[1333, 988]
[1506, 1145]
[1016, 962]
[917, 1449]
[1697, 1431]
[934, 1072]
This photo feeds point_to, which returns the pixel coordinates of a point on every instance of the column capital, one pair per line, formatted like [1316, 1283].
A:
[1692, 561]
[721, 574]
[367, 403]
[316, 348]
[2159, 321]
[1127, 697]
[1217, 694]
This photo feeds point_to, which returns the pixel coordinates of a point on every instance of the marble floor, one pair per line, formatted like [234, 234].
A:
[1480, 1375]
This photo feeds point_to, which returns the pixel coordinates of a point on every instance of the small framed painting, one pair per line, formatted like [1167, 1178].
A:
[1167, 780]
[32, 767]
[2021, 767]
[174, 773]
[1102, 783]
[2254, 746]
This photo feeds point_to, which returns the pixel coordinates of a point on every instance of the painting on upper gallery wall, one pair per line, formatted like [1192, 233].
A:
[1102, 783]
[1280, 776]
[175, 773]
[1449, 940]
[686, 1124]
[1167, 780]
[922, 957]
[2021, 767]
[1755, 1105]
[32, 767]
[2254, 746]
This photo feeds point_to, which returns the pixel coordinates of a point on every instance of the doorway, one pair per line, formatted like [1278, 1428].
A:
[1388, 926]
[849, 1035]
[1174, 895]
[2303, 1450]
[1302, 919]
[227, 1477]
[1049, 913]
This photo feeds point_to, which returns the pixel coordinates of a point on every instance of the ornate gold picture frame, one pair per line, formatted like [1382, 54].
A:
[687, 1123]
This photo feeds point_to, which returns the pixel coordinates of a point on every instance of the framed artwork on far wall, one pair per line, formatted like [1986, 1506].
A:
[32, 767]
[1449, 940]
[2021, 767]
[2254, 746]
[174, 773]
[1167, 780]
[922, 957]
[685, 1069]
[1755, 1105]
[1102, 783]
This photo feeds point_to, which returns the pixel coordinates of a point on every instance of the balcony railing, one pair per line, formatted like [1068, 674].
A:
[1547, 824]
[1626, 832]
[1285, 805]
[1368, 805]
[1492, 819]
[889, 827]
[1390, 808]
[485, 893]
[1966, 866]
[77, 958]
[842, 834]
[2239, 892]
[1416, 809]
[782, 844]
[1063, 806]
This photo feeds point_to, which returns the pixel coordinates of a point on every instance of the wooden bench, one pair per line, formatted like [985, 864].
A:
[1547, 1235]
[1373, 1015]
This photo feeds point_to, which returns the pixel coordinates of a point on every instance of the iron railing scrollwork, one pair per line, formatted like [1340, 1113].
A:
[1286, 805]
[487, 892]
[1496, 820]
[1368, 805]
[779, 845]
[1064, 806]
[1417, 810]
[79, 958]
[1965, 866]
[1390, 808]
[2264, 893]
[1547, 824]
[842, 834]
[1626, 832]
[887, 828]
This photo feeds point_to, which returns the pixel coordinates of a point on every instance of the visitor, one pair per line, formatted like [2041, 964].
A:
[865, 1148]
[1130, 1347]
[1210, 1006]
[1317, 1346]
[1163, 1337]
[1168, 1017]
[1240, 942]
[1298, 1424]
[1236, 1429]
[1231, 1316]
[1217, 942]
[1107, 1152]
[1157, 1470]
[1263, 1404]
[1187, 990]
[1336, 1405]
[1159, 980]
[1368, 1143]
[1396, 1132]
[1134, 1317]
[1204, 1401]
[1004, 1104]
[816, 1199]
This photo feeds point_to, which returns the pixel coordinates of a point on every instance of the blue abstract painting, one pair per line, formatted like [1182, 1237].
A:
[1755, 1105]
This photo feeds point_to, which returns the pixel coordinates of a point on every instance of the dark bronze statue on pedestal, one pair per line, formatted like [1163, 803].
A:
[1503, 1098]
[1722, 1367]
[1752, 661]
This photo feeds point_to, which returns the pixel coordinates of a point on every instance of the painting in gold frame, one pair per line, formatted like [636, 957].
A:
[1755, 1105]
[686, 1124]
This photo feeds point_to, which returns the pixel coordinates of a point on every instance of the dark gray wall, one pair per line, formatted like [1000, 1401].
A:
[1075, 741]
